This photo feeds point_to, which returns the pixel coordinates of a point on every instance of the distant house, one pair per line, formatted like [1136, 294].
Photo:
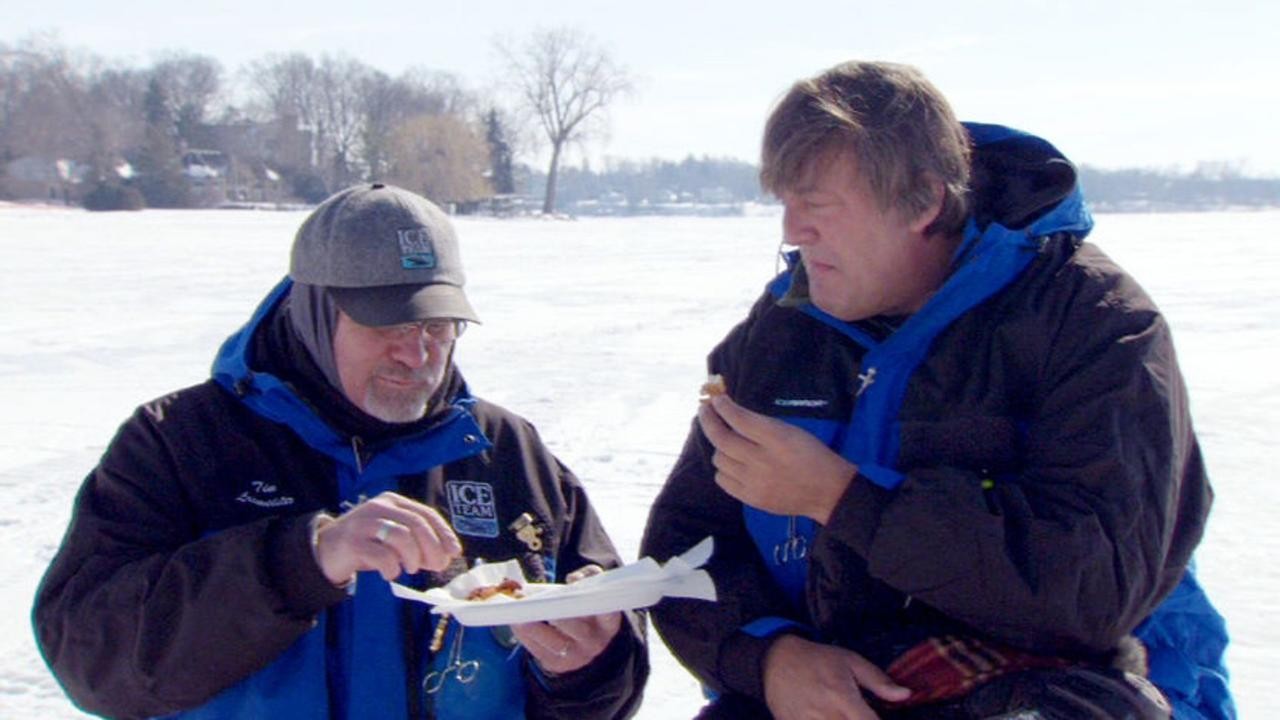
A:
[34, 177]
[508, 205]
[204, 165]
[717, 195]
[241, 161]
[206, 174]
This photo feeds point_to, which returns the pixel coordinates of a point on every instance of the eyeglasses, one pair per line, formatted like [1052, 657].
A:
[438, 329]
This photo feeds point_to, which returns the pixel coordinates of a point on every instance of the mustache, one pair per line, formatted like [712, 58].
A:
[401, 373]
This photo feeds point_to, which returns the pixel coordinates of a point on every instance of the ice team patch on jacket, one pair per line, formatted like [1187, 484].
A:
[472, 508]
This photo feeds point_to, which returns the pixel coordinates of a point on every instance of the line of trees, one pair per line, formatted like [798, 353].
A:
[647, 186]
[311, 125]
[292, 126]
[1211, 186]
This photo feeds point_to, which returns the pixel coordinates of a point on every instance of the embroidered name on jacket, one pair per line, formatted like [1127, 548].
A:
[472, 507]
[264, 494]
[799, 402]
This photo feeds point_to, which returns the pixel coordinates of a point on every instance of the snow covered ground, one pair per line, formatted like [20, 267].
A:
[595, 330]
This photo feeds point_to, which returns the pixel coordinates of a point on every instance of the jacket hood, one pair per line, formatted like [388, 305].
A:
[1023, 182]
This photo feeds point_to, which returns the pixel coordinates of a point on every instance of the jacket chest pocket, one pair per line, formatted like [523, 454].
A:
[979, 443]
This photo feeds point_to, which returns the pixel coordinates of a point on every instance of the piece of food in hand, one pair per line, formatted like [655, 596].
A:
[510, 588]
[713, 386]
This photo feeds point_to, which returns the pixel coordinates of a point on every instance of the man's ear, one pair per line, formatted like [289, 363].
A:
[921, 222]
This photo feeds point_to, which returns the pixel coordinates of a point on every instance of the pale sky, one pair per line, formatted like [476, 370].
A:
[1112, 84]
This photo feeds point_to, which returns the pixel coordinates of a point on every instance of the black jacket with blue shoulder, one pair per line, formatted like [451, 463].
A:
[1028, 471]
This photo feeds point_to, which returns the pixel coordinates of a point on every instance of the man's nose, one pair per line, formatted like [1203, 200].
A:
[795, 229]
[413, 350]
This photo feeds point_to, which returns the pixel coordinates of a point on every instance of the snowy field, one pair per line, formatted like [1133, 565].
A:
[595, 330]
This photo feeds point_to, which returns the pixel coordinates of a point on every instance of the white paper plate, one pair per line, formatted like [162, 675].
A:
[539, 605]
[630, 587]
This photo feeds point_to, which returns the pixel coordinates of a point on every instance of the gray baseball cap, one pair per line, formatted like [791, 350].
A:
[386, 255]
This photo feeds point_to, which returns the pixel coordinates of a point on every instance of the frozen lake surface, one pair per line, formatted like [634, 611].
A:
[595, 330]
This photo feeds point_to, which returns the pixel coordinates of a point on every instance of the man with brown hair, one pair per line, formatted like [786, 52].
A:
[955, 470]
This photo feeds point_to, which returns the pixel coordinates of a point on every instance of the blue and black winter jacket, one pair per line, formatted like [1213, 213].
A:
[1027, 471]
[186, 585]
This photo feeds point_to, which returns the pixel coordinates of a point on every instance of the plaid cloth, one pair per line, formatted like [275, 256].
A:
[949, 667]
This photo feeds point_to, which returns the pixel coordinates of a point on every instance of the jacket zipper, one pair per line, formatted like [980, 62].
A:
[794, 546]
[355, 450]
[356, 443]
[864, 381]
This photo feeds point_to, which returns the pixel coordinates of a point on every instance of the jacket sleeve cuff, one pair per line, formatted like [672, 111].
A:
[856, 517]
[302, 585]
[741, 662]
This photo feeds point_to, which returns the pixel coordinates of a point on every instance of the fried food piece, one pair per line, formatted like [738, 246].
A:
[713, 386]
[510, 588]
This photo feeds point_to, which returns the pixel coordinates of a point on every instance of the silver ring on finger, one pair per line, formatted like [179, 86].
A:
[385, 527]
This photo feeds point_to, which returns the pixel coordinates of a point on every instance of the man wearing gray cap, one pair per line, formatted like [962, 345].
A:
[223, 558]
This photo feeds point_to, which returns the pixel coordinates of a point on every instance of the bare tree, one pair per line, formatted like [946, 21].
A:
[389, 103]
[284, 89]
[117, 98]
[192, 84]
[159, 160]
[324, 98]
[564, 80]
[341, 116]
[284, 85]
[384, 103]
[44, 101]
[443, 93]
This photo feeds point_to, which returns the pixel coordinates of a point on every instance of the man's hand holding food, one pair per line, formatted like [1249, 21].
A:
[770, 465]
[561, 646]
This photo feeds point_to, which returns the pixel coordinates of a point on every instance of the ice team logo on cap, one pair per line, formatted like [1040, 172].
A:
[416, 252]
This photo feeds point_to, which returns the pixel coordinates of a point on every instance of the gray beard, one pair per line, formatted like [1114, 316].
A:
[392, 407]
